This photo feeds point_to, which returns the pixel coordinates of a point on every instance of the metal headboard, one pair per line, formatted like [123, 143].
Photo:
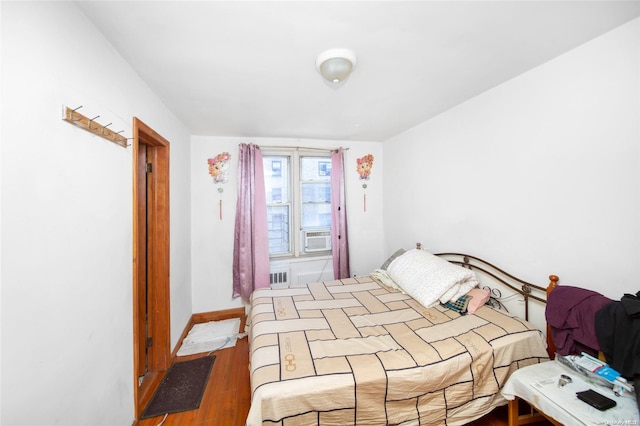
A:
[527, 290]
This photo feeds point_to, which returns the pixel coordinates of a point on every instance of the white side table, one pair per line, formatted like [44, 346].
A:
[538, 385]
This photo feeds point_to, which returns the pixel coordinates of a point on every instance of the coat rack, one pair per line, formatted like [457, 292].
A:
[74, 117]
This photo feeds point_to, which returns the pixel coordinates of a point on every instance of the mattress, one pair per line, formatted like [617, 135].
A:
[353, 352]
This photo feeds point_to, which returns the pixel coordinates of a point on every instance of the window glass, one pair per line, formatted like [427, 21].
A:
[278, 224]
[276, 179]
[276, 182]
[315, 181]
[316, 216]
[315, 169]
[316, 192]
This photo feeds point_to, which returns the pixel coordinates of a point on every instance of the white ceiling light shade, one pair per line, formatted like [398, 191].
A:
[335, 65]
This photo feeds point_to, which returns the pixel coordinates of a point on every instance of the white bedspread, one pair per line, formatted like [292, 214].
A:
[429, 279]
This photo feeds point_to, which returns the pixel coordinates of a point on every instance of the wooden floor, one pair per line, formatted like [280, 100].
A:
[227, 398]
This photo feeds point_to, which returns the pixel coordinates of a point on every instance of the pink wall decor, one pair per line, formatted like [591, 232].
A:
[363, 167]
[219, 171]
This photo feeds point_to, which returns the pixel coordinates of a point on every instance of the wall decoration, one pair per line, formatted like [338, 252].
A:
[219, 171]
[363, 167]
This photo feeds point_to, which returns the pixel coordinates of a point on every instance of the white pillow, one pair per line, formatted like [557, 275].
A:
[429, 279]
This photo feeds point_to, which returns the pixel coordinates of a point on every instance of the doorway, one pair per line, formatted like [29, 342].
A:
[151, 308]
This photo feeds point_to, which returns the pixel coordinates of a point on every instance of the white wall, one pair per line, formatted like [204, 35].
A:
[540, 175]
[67, 340]
[212, 238]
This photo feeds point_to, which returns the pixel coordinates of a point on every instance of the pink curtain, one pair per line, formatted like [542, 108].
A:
[251, 244]
[339, 243]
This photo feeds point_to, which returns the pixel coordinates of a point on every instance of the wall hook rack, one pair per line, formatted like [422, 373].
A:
[89, 124]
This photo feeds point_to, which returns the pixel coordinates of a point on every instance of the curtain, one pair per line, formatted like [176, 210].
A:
[339, 243]
[251, 244]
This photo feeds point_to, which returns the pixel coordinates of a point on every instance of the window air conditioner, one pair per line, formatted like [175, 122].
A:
[316, 241]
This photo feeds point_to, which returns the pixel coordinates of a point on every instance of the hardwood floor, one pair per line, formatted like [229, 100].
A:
[227, 398]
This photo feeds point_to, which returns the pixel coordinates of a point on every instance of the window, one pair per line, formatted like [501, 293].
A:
[298, 190]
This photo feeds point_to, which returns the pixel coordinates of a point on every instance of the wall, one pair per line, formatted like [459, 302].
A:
[212, 238]
[540, 175]
[67, 339]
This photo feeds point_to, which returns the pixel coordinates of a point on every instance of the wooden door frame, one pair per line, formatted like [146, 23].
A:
[157, 255]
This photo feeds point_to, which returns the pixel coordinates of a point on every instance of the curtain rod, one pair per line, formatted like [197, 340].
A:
[298, 148]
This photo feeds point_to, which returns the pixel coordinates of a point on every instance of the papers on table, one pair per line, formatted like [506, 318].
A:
[624, 413]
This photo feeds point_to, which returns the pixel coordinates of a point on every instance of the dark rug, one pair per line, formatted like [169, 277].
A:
[182, 387]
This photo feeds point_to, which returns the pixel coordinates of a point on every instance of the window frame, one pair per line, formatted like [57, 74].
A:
[295, 188]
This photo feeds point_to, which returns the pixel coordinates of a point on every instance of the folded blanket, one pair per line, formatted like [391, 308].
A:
[381, 276]
[430, 279]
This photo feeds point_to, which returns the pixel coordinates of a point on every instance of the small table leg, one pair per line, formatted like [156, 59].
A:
[514, 412]
[534, 416]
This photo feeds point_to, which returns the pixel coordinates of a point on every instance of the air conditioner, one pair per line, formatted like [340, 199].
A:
[316, 241]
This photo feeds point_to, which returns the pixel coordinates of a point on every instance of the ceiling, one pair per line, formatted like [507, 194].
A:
[241, 68]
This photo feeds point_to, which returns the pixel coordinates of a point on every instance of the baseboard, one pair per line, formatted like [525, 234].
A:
[206, 317]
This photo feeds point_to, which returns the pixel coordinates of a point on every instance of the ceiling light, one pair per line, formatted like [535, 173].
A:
[335, 65]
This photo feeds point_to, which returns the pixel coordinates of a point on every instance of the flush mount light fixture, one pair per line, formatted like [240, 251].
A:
[335, 65]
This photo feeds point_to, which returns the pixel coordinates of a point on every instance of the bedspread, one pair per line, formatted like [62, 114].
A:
[353, 352]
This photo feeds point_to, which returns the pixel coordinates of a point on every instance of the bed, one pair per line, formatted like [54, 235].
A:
[360, 351]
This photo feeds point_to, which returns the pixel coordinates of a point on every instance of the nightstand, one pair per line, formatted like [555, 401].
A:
[538, 385]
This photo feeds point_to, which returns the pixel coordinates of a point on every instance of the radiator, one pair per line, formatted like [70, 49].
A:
[279, 277]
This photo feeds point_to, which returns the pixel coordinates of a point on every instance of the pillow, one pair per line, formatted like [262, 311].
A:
[460, 305]
[429, 278]
[386, 264]
[479, 296]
